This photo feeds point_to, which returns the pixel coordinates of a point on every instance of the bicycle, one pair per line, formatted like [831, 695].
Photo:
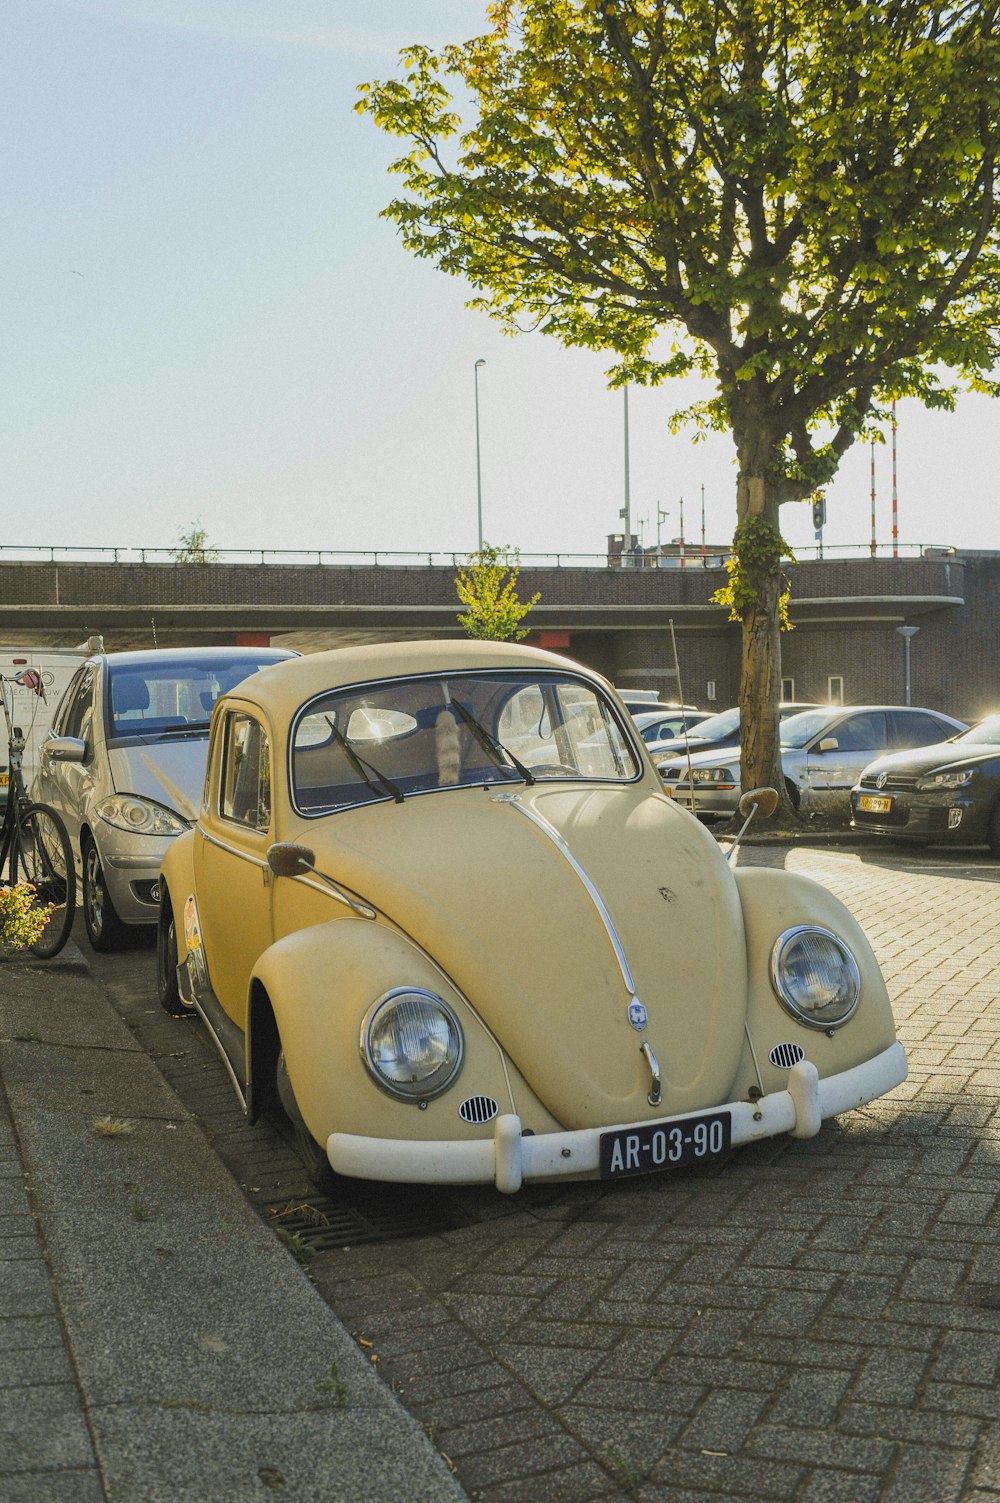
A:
[34, 844]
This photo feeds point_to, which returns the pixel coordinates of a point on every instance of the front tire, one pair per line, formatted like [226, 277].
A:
[166, 962]
[105, 929]
[46, 861]
[312, 1154]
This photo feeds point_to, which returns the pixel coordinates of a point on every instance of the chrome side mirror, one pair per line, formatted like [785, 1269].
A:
[288, 860]
[763, 799]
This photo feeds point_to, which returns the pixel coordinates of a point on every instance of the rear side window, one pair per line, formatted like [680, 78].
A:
[919, 729]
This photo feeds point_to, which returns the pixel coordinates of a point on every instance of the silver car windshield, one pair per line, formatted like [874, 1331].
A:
[798, 729]
[722, 724]
[986, 733]
[173, 695]
[421, 735]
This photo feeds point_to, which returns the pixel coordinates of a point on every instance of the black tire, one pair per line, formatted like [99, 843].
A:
[794, 796]
[46, 861]
[313, 1156]
[105, 929]
[166, 962]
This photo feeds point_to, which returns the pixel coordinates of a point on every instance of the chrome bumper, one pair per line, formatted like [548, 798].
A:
[509, 1159]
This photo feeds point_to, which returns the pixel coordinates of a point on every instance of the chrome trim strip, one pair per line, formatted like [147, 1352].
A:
[220, 1028]
[232, 850]
[550, 830]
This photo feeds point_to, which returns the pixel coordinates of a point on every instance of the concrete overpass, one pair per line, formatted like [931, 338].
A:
[623, 621]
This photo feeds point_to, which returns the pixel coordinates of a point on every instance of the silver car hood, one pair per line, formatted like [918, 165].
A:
[721, 756]
[169, 772]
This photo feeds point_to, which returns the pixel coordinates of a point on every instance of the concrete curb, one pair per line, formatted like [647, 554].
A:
[157, 1342]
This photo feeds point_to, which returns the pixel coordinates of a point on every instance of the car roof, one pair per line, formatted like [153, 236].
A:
[287, 685]
[833, 710]
[149, 657]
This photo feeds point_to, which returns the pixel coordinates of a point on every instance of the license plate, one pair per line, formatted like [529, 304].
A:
[665, 1145]
[870, 803]
[4, 779]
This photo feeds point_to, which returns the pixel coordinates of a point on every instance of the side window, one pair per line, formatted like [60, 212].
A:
[861, 733]
[77, 709]
[918, 730]
[246, 772]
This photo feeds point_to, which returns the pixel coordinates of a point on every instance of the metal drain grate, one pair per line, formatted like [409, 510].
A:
[373, 1215]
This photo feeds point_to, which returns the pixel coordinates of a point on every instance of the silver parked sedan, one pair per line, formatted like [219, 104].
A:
[124, 764]
[822, 752]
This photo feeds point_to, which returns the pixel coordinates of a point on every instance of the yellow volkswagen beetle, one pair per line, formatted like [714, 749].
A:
[437, 905]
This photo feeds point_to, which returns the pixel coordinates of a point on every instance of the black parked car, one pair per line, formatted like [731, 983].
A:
[948, 792]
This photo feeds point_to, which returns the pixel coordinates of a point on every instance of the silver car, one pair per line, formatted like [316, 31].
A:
[822, 752]
[124, 763]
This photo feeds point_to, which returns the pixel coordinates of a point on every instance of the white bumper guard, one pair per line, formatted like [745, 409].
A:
[509, 1158]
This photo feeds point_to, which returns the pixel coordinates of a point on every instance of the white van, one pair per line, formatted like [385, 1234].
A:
[31, 711]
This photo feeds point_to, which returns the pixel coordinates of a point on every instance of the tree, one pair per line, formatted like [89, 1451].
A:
[794, 199]
[488, 589]
[192, 546]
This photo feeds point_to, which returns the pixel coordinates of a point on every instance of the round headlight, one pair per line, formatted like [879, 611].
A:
[815, 976]
[412, 1044]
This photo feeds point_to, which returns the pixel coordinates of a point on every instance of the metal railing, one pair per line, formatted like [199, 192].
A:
[692, 558]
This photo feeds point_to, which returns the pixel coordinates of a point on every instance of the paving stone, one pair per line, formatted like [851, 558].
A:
[79, 1485]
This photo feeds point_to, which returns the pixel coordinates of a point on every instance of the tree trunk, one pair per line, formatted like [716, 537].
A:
[760, 677]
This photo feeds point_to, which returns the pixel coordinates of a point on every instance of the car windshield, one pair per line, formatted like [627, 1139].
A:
[986, 733]
[798, 729]
[722, 724]
[174, 694]
[420, 735]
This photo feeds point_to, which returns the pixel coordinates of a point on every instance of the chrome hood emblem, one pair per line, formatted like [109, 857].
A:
[881, 780]
[637, 1015]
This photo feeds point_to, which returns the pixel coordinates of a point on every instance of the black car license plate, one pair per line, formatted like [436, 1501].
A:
[665, 1145]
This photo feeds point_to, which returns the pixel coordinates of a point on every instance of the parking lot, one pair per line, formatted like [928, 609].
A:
[813, 1320]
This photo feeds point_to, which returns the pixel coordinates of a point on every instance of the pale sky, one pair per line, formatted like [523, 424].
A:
[206, 321]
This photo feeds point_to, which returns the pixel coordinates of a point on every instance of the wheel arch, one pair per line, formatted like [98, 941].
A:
[263, 1046]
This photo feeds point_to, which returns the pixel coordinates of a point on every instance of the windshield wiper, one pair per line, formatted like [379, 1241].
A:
[377, 781]
[492, 746]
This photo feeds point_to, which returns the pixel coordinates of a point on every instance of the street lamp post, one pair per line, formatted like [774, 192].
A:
[479, 471]
[907, 633]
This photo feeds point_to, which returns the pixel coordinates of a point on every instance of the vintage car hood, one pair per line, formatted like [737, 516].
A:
[490, 894]
[171, 772]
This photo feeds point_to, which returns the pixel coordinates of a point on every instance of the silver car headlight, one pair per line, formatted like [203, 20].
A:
[412, 1044]
[140, 816]
[815, 976]
[945, 780]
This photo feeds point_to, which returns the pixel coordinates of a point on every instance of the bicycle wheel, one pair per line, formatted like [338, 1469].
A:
[45, 859]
